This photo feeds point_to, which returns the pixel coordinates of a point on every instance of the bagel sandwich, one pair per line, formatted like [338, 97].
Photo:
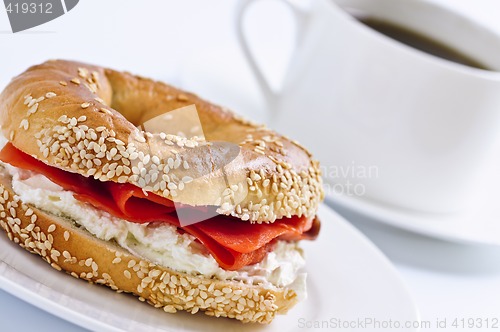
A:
[198, 220]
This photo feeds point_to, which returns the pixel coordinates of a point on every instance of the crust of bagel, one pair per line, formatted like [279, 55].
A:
[72, 250]
[83, 119]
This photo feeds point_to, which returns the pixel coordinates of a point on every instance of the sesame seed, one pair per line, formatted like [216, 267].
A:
[66, 254]
[75, 81]
[182, 97]
[127, 274]
[170, 309]
[33, 109]
[105, 110]
[82, 72]
[24, 124]
[123, 179]
[55, 266]
[85, 105]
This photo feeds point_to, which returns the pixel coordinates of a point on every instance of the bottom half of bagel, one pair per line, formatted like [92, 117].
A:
[156, 263]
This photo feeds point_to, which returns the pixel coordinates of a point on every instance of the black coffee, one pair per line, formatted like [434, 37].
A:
[420, 41]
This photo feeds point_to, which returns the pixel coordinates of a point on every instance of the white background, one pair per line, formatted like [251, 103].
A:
[175, 40]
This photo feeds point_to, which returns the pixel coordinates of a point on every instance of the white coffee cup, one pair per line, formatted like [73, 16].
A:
[390, 123]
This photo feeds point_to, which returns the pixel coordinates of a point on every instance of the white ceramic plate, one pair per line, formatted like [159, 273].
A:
[348, 278]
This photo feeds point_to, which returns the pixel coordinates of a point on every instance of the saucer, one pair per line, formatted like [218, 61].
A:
[478, 225]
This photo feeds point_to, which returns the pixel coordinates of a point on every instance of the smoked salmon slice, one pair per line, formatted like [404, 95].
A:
[232, 242]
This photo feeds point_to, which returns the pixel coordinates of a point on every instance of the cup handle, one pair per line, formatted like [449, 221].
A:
[300, 15]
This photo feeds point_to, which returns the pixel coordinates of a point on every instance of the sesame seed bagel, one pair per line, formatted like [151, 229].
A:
[67, 247]
[83, 119]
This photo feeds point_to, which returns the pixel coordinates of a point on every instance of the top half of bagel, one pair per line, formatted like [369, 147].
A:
[90, 120]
